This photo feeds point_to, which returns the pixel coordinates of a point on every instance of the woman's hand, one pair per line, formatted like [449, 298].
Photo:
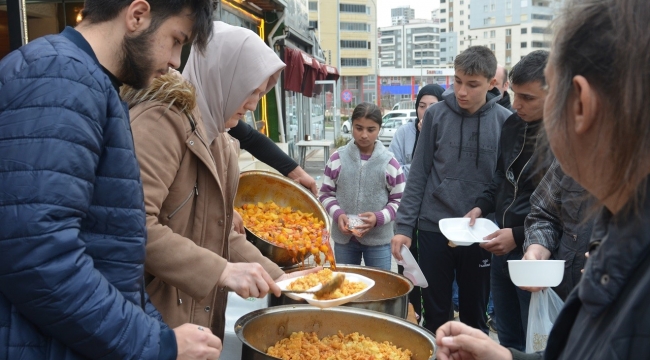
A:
[248, 280]
[458, 341]
[238, 222]
[300, 176]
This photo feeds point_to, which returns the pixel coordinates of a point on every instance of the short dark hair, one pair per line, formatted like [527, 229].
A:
[477, 60]
[98, 11]
[530, 68]
[368, 111]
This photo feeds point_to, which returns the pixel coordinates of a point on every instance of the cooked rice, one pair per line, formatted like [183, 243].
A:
[307, 346]
[309, 281]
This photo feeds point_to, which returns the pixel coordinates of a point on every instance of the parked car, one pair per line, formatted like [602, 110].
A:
[390, 126]
[346, 127]
[403, 114]
[405, 105]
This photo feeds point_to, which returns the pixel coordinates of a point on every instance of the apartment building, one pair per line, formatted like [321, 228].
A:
[409, 57]
[347, 33]
[402, 15]
[510, 28]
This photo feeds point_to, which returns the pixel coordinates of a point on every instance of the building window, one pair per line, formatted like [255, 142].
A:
[355, 26]
[508, 46]
[484, 34]
[486, 21]
[313, 6]
[538, 30]
[443, 30]
[524, 3]
[462, 2]
[462, 43]
[442, 11]
[443, 49]
[462, 12]
[539, 44]
[443, 40]
[542, 17]
[508, 7]
[493, 34]
[462, 32]
[508, 59]
[313, 24]
[353, 8]
[508, 32]
[443, 59]
[355, 62]
[524, 30]
[485, 8]
[443, 21]
[523, 17]
[355, 44]
[462, 23]
[493, 7]
[524, 44]
[492, 47]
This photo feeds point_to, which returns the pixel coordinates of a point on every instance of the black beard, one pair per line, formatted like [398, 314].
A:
[136, 64]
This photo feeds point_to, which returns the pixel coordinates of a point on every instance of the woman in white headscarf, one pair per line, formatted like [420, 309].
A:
[190, 172]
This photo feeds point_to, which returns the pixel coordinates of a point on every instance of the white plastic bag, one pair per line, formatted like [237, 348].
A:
[544, 307]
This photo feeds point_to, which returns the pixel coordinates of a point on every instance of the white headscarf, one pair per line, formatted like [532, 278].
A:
[235, 63]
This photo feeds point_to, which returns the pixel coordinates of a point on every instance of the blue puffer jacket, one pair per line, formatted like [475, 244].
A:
[72, 219]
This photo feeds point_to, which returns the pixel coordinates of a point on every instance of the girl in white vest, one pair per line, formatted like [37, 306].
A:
[363, 179]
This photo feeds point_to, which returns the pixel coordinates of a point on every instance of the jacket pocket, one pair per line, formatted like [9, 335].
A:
[455, 197]
[194, 191]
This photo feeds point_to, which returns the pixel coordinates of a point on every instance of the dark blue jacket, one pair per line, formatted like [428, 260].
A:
[72, 219]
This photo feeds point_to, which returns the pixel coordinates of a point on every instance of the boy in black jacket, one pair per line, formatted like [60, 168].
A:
[515, 179]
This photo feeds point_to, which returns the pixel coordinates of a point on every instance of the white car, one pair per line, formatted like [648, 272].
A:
[389, 128]
[403, 114]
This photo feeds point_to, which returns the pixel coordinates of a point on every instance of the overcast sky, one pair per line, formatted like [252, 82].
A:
[422, 9]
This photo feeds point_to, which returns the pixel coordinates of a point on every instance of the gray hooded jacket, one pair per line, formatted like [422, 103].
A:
[453, 163]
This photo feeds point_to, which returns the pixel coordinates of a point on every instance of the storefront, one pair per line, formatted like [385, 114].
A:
[282, 24]
[397, 85]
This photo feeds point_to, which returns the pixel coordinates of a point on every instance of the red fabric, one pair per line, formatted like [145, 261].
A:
[294, 72]
[321, 75]
[332, 73]
[309, 79]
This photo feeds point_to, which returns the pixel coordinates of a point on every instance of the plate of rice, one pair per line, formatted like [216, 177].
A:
[352, 288]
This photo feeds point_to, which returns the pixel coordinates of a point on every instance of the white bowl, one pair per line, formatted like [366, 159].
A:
[458, 231]
[412, 270]
[284, 284]
[536, 273]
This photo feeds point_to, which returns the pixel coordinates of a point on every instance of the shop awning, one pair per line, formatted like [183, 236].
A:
[303, 71]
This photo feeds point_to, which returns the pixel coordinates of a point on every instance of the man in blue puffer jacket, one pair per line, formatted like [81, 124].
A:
[72, 218]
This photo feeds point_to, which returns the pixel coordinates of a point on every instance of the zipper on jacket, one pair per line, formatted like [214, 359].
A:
[195, 190]
[516, 183]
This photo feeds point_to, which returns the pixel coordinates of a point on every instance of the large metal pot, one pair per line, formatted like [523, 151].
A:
[389, 295]
[263, 328]
[261, 186]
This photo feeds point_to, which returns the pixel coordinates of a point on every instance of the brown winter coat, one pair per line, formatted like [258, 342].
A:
[189, 189]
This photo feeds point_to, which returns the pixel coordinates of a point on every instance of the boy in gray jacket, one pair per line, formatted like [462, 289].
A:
[453, 164]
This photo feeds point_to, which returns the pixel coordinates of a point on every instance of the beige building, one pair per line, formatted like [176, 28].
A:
[510, 28]
[347, 33]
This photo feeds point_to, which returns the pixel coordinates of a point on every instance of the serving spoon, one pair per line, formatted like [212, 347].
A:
[327, 288]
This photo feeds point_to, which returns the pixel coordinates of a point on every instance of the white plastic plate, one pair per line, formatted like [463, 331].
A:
[329, 303]
[412, 270]
[458, 231]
